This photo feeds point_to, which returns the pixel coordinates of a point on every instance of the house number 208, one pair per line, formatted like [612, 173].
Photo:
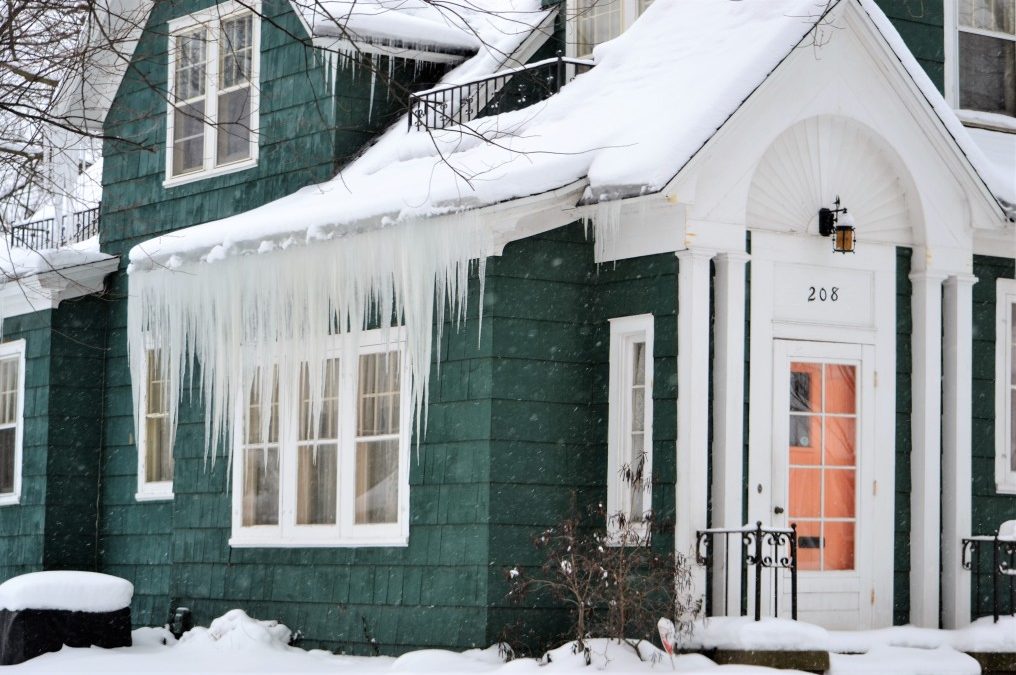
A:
[823, 294]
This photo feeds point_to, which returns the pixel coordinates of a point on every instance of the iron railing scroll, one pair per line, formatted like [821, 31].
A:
[762, 548]
[504, 91]
[50, 234]
[1002, 571]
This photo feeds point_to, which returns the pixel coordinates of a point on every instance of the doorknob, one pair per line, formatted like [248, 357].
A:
[778, 510]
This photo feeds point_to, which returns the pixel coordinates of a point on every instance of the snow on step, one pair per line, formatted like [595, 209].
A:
[66, 590]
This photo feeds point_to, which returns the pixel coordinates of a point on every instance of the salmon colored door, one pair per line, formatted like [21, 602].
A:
[819, 434]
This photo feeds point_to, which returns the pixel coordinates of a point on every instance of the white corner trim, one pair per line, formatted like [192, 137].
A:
[693, 328]
[925, 466]
[1005, 298]
[46, 290]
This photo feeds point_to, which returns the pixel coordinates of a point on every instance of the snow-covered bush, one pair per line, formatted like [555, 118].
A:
[616, 584]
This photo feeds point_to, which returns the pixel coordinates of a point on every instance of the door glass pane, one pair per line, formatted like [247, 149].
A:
[840, 441]
[805, 485]
[822, 458]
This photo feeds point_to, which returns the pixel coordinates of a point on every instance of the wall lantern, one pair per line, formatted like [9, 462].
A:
[839, 224]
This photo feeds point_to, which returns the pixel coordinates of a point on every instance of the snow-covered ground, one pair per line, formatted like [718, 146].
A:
[236, 643]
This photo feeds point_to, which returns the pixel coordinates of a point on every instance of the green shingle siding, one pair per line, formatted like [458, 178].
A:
[901, 532]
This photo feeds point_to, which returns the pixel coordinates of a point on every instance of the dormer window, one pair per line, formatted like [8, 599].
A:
[591, 22]
[987, 56]
[212, 119]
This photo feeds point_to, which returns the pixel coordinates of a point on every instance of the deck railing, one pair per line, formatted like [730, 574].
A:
[504, 91]
[761, 548]
[49, 233]
[1002, 557]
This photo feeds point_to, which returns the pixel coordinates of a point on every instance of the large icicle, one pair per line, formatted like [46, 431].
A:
[241, 314]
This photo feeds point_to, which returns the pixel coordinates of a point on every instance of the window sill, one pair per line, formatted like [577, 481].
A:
[210, 173]
[249, 542]
[1005, 488]
[153, 494]
[10, 500]
[986, 120]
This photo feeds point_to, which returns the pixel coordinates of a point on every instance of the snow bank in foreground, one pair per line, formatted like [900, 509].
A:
[904, 661]
[745, 633]
[237, 643]
[66, 590]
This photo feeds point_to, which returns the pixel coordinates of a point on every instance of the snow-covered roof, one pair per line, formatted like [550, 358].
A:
[627, 128]
[412, 23]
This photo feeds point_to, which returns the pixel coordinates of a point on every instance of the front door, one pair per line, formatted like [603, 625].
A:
[822, 444]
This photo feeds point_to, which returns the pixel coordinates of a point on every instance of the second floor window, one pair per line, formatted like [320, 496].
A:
[987, 56]
[213, 121]
[592, 22]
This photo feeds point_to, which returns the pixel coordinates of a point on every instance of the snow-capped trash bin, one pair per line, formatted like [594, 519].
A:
[42, 611]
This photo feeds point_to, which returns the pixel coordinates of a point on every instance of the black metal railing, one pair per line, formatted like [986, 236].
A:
[1002, 571]
[761, 548]
[504, 91]
[53, 233]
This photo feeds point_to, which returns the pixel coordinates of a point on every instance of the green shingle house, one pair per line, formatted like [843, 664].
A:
[336, 364]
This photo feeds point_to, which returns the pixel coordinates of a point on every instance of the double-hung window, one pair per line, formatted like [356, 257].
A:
[212, 125]
[1005, 386]
[155, 442]
[591, 22]
[986, 56]
[322, 457]
[12, 402]
[630, 425]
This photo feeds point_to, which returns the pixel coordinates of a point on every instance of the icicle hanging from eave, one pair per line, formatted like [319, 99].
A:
[243, 314]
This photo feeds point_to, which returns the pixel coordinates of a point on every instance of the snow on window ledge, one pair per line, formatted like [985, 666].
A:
[987, 120]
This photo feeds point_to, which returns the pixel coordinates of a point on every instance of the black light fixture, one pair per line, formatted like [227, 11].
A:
[839, 224]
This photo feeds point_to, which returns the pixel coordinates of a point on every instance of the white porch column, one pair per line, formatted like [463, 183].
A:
[925, 465]
[956, 440]
[728, 425]
[692, 403]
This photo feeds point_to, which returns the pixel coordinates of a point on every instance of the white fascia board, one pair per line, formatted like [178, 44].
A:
[46, 290]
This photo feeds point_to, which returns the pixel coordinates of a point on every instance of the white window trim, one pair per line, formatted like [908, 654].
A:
[8, 349]
[624, 331]
[951, 68]
[149, 491]
[345, 534]
[1005, 298]
[214, 14]
[629, 13]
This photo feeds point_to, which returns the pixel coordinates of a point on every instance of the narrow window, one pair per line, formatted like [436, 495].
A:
[987, 56]
[630, 423]
[261, 455]
[155, 443]
[377, 440]
[1005, 386]
[235, 60]
[318, 450]
[11, 401]
[189, 101]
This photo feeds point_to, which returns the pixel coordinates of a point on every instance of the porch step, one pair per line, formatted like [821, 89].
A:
[809, 661]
